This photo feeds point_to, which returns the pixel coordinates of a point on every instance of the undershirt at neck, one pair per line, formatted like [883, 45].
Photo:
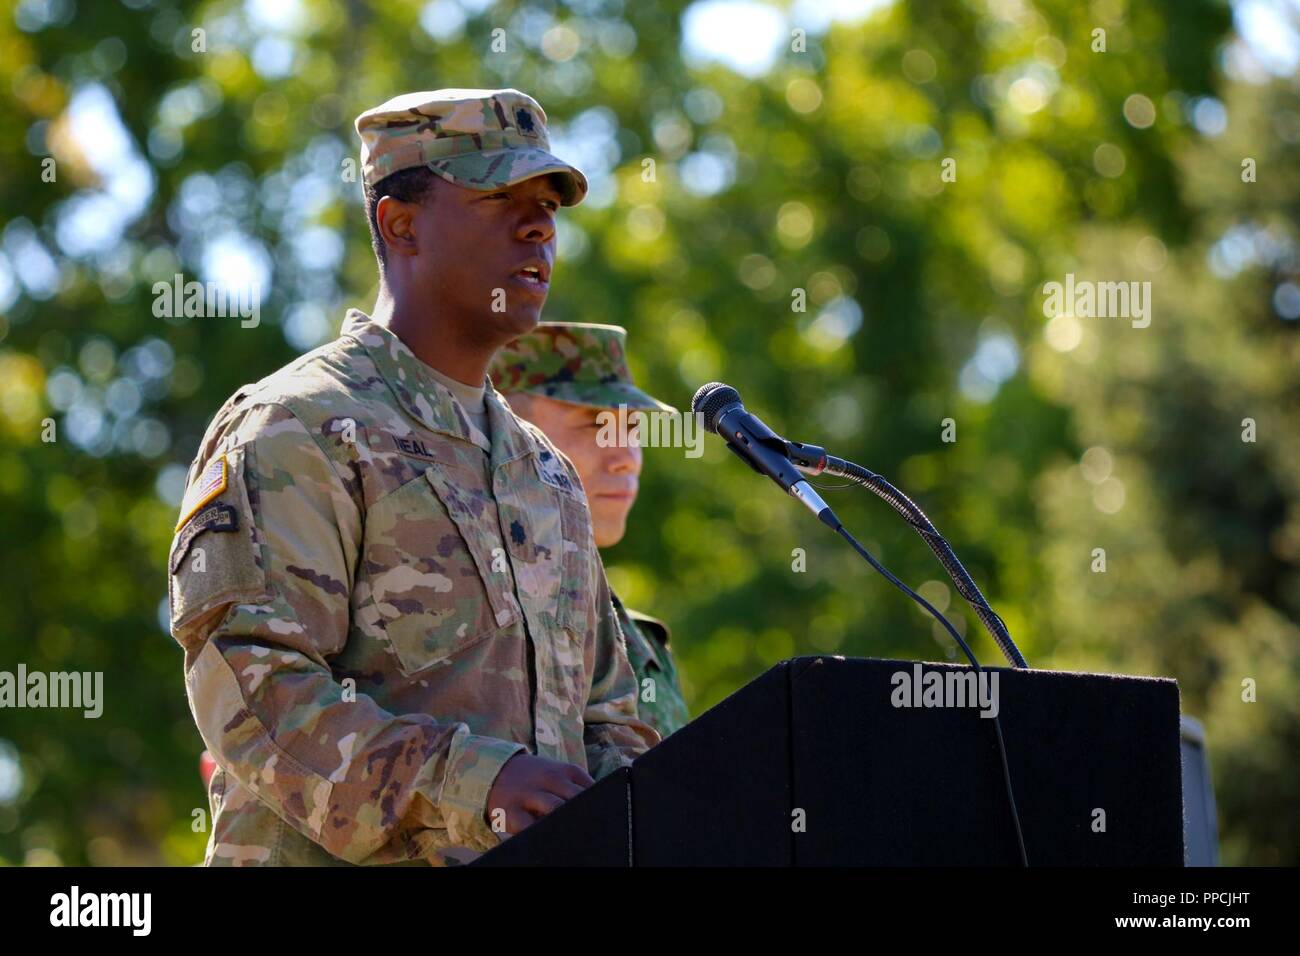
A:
[471, 400]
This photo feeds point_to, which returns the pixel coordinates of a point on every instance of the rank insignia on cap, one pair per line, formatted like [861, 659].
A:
[210, 483]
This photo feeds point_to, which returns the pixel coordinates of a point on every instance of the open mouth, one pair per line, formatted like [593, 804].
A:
[533, 275]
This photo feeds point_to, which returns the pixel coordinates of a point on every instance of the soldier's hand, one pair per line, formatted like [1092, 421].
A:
[528, 788]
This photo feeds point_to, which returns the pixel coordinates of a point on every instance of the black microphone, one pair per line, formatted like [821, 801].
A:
[765, 451]
[761, 448]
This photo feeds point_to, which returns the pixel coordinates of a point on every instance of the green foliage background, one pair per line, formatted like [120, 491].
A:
[1093, 434]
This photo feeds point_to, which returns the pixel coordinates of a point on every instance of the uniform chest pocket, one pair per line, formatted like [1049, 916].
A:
[432, 559]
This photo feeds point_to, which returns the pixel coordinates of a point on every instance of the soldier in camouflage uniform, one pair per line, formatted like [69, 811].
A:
[399, 641]
[561, 376]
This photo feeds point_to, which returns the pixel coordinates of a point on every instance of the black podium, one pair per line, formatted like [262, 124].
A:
[817, 762]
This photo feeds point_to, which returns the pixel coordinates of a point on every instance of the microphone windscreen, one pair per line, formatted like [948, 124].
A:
[710, 400]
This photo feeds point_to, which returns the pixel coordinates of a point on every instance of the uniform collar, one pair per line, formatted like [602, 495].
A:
[430, 402]
[634, 633]
[509, 439]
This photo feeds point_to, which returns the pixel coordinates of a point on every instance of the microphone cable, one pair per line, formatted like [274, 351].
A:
[914, 516]
[997, 722]
[767, 453]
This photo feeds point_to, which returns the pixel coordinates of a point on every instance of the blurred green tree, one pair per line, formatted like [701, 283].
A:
[213, 140]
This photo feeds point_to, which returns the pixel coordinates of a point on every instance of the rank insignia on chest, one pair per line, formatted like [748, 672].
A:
[210, 483]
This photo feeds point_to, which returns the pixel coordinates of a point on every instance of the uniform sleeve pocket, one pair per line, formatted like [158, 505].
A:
[214, 558]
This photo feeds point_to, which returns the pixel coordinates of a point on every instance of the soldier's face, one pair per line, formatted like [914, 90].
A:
[488, 255]
[609, 475]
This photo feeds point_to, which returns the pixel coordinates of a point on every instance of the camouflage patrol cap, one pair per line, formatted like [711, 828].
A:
[479, 139]
[577, 362]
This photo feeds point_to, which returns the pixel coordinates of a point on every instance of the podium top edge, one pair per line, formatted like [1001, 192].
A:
[804, 661]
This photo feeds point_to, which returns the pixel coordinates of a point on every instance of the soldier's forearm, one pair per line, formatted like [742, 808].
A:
[606, 752]
[613, 734]
[364, 784]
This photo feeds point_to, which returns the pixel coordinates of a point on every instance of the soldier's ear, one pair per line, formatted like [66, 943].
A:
[396, 220]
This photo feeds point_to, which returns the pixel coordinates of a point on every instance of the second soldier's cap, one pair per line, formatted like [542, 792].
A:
[578, 362]
[479, 139]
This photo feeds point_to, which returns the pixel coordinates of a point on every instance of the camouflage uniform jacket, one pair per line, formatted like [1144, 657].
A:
[647, 649]
[377, 613]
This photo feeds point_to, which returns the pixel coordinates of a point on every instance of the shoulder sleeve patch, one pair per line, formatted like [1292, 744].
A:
[209, 484]
[215, 517]
[216, 556]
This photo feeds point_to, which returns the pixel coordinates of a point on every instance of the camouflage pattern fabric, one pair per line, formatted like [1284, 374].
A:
[577, 362]
[586, 363]
[376, 614]
[479, 139]
[656, 673]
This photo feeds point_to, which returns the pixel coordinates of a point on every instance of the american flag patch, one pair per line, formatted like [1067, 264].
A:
[210, 483]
